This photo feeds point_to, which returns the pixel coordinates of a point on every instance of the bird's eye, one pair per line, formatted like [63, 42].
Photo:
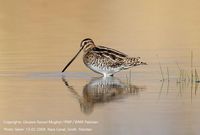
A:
[85, 43]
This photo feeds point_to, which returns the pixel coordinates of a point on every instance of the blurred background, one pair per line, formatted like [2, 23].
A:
[42, 35]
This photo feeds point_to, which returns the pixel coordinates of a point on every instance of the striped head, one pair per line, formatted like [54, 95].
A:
[87, 44]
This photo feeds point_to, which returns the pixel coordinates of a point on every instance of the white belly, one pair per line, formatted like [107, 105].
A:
[104, 70]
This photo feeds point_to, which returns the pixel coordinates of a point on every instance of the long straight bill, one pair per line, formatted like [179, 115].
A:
[72, 60]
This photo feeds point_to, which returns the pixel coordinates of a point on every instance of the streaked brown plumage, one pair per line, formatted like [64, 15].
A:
[105, 60]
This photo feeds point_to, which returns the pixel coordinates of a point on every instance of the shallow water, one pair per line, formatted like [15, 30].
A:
[37, 39]
[136, 106]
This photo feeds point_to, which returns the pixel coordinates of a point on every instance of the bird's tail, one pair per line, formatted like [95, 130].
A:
[130, 62]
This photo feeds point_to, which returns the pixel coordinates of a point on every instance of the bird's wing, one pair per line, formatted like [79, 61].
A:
[110, 50]
[109, 53]
[113, 57]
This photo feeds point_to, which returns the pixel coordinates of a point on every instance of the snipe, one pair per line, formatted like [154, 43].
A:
[104, 60]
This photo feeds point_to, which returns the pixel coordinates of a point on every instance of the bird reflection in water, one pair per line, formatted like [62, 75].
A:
[101, 90]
